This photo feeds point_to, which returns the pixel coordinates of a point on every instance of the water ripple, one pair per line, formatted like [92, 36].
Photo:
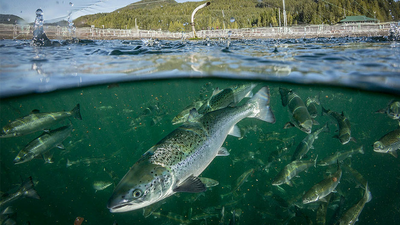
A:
[344, 61]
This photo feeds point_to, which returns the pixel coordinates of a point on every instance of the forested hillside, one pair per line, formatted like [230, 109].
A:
[172, 16]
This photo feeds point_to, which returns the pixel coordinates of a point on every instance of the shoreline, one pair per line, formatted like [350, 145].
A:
[8, 31]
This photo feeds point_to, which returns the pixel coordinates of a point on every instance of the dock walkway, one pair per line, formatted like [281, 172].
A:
[8, 31]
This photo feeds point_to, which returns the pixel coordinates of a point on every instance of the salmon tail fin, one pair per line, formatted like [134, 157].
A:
[368, 194]
[315, 161]
[77, 112]
[381, 111]
[262, 111]
[317, 99]
[326, 128]
[284, 95]
[324, 111]
[28, 190]
[361, 149]
[347, 162]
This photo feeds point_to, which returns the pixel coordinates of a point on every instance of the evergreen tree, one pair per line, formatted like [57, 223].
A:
[247, 13]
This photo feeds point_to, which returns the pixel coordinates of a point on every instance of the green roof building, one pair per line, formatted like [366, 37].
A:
[358, 19]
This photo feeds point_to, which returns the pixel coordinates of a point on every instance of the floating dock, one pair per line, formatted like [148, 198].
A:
[8, 31]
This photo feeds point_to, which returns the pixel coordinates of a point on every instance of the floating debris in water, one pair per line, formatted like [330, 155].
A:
[78, 220]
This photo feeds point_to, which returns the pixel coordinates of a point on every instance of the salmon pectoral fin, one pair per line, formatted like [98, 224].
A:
[191, 185]
[393, 153]
[288, 125]
[223, 152]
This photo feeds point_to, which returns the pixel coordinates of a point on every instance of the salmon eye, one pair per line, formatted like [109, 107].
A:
[377, 145]
[137, 193]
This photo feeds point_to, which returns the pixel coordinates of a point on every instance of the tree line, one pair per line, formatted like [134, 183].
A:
[232, 14]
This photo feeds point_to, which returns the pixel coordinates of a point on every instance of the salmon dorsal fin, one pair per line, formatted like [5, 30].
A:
[193, 115]
[216, 91]
[35, 111]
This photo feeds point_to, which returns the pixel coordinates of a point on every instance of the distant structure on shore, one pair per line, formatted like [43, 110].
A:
[358, 19]
[9, 31]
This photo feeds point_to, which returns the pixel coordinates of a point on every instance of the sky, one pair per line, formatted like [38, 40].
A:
[56, 10]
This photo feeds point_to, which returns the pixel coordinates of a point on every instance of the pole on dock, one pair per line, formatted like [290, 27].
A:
[284, 16]
[194, 12]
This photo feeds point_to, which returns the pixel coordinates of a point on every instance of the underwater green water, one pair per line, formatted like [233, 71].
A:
[112, 137]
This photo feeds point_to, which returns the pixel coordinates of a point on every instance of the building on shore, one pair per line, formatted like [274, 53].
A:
[358, 19]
